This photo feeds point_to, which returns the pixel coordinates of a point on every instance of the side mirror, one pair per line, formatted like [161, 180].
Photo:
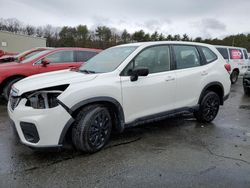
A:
[21, 58]
[140, 71]
[45, 62]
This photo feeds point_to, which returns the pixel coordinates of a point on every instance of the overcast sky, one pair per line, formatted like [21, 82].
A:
[205, 18]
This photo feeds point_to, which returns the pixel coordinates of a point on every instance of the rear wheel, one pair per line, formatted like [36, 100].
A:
[92, 128]
[234, 76]
[7, 87]
[208, 108]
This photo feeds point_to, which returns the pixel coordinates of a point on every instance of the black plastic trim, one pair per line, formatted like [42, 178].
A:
[225, 97]
[120, 126]
[65, 129]
[161, 116]
[209, 85]
[65, 107]
[30, 132]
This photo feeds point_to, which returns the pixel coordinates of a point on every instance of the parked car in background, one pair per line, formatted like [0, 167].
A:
[21, 56]
[122, 86]
[246, 82]
[45, 61]
[5, 54]
[238, 59]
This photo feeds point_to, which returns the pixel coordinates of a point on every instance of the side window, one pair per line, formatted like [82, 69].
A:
[31, 54]
[235, 54]
[156, 59]
[61, 57]
[186, 56]
[209, 54]
[83, 56]
[223, 52]
[245, 54]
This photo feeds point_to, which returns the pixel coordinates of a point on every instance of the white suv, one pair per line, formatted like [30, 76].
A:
[123, 86]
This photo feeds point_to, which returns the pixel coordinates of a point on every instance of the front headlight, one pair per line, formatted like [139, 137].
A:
[45, 98]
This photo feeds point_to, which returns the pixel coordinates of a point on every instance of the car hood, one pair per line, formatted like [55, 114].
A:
[8, 64]
[51, 79]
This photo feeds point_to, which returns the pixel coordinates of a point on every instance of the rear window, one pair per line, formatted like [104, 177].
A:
[223, 52]
[209, 54]
[235, 53]
[83, 56]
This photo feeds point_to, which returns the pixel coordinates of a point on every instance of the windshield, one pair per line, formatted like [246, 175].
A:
[35, 56]
[108, 60]
[22, 54]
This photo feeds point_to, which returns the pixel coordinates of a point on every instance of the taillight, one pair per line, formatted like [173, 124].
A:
[227, 67]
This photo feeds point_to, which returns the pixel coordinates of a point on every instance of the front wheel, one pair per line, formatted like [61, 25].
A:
[92, 128]
[208, 108]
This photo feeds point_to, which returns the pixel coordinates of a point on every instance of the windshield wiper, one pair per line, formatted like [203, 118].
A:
[87, 71]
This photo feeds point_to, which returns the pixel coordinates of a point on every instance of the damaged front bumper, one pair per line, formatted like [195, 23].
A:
[39, 128]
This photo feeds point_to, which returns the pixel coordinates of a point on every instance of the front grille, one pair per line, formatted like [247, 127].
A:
[14, 102]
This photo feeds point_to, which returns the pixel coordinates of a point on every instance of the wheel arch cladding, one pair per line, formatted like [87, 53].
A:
[113, 106]
[216, 87]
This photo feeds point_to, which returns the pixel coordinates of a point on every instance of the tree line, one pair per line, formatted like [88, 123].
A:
[104, 37]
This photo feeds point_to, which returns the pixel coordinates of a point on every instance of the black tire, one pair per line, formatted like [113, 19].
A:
[208, 108]
[234, 76]
[92, 129]
[7, 87]
[246, 91]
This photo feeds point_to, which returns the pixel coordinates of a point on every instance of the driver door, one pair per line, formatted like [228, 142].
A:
[58, 61]
[151, 94]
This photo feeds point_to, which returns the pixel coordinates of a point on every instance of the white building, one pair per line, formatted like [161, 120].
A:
[12, 42]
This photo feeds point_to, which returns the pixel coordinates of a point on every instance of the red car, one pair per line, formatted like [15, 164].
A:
[3, 53]
[45, 61]
[9, 57]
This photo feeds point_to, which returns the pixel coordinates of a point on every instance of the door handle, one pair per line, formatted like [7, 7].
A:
[204, 73]
[72, 67]
[169, 78]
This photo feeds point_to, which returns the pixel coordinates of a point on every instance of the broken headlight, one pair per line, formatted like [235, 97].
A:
[44, 99]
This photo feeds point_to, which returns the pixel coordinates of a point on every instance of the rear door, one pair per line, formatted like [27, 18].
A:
[190, 74]
[58, 61]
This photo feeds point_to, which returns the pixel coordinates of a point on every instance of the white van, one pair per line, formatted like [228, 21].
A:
[238, 59]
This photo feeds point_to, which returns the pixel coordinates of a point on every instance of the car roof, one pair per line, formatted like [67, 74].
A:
[76, 48]
[221, 46]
